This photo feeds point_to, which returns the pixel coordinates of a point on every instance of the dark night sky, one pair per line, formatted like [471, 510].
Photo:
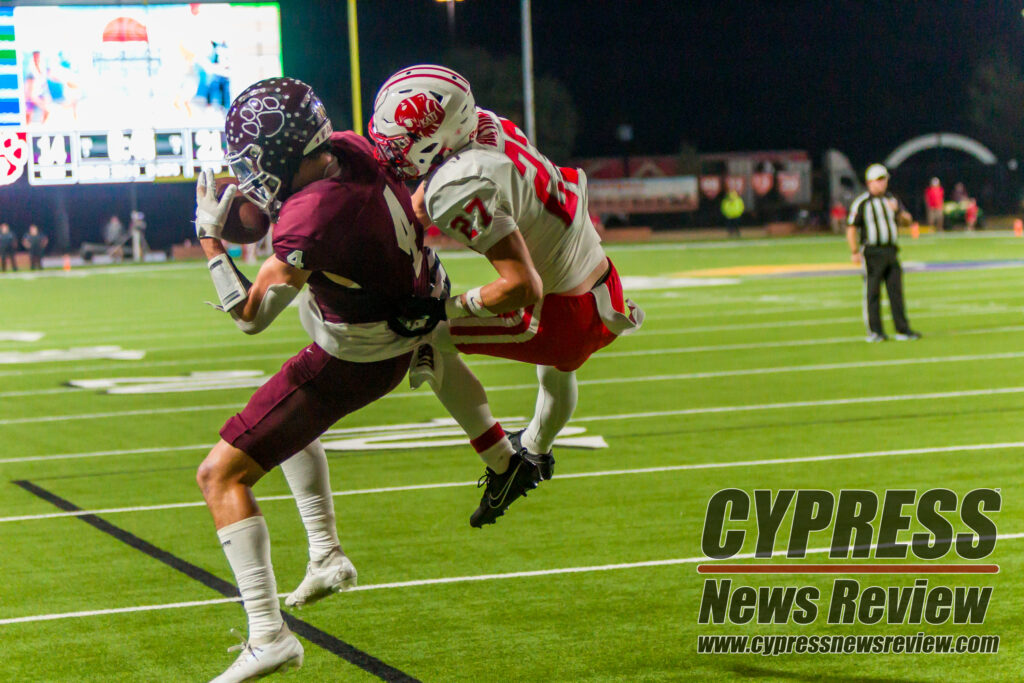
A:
[859, 75]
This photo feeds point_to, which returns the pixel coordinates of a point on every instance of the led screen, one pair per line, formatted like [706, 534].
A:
[128, 92]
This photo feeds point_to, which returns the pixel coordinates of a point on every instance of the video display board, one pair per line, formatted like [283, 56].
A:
[126, 93]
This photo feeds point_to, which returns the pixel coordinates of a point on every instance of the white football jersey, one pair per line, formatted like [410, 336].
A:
[500, 174]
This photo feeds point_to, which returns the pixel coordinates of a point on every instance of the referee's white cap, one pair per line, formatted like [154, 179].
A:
[876, 172]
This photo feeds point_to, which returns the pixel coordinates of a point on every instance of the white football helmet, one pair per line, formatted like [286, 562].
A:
[421, 115]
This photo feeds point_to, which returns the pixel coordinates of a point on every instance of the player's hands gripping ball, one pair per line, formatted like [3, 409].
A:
[211, 212]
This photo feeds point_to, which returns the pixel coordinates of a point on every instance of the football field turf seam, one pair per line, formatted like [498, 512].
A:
[416, 583]
[78, 512]
[705, 410]
[311, 633]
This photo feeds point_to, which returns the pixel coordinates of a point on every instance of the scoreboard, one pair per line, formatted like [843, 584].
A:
[127, 155]
[125, 93]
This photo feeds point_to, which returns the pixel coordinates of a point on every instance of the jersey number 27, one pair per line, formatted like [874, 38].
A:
[549, 184]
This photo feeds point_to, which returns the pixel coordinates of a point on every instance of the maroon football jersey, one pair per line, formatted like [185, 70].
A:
[358, 234]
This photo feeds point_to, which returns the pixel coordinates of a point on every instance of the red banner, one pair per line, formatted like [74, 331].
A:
[671, 194]
[710, 186]
[736, 183]
[762, 183]
[789, 183]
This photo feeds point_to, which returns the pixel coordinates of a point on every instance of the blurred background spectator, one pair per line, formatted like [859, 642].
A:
[36, 243]
[971, 214]
[837, 217]
[138, 229]
[8, 245]
[934, 201]
[959, 193]
[732, 209]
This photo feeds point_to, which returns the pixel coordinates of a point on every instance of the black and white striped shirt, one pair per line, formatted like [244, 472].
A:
[876, 218]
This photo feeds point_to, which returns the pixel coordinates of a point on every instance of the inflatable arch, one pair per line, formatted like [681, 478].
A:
[940, 141]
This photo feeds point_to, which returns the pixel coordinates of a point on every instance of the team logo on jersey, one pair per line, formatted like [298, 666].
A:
[420, 115]
[486, 130]
[262, 114]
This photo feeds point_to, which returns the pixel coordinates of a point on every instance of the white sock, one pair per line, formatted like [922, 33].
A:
[310, 481]
[247, 546]
[465, 400]
[494, 448]
[556, 402]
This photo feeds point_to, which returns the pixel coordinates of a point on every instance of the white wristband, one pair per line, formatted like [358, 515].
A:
[475, 303]
[455, 308]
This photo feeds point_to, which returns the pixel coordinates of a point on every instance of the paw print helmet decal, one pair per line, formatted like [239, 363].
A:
[270, 127]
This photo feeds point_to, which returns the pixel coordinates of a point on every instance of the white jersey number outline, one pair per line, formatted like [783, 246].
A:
[405, 234]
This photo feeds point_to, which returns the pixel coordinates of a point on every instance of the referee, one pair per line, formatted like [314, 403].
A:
[871, 234]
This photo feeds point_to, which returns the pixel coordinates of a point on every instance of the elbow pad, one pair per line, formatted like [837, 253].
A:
[274, 301]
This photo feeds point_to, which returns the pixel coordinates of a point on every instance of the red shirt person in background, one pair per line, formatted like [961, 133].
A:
[934, 199]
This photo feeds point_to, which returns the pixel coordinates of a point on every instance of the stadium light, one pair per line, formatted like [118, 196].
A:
[529, 110]
[451, 17]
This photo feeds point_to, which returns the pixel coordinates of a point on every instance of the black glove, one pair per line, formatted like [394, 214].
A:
[417, 316]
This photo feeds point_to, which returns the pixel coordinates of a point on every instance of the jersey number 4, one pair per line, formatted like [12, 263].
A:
[405, 234]
[549, 184]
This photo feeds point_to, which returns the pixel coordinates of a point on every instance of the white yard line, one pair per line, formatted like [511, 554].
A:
[803, 404]
[948, 313]
[764, 304]
[99, 454]
[626, 416]
[678, 561]
[783, 369]
[921, 309]
[576, 475]
[280, 357]
[117, 413]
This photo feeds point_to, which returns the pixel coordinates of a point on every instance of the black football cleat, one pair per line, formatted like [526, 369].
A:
[547, 466]
[525, 471]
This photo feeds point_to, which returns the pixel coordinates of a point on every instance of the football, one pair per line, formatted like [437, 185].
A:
[245, 223]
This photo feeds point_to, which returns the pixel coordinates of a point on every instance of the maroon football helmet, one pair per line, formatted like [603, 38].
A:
[270, 127]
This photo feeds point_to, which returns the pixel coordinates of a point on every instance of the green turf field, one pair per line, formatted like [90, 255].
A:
[745, 384]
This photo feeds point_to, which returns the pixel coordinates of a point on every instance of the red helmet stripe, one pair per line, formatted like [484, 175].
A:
[449, 80]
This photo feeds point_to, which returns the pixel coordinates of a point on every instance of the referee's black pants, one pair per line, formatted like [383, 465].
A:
[880, 263]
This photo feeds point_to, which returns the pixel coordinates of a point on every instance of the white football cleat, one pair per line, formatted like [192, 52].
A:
[281, 653]
[330, 575]
[426, 367]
